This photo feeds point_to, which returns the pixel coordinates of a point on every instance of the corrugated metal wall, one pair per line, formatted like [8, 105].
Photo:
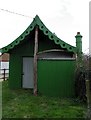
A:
[56, 77]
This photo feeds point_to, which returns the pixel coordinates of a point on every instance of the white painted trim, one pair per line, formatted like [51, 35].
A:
[56, 59]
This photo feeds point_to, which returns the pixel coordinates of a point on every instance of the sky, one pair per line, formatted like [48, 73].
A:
[63, 17]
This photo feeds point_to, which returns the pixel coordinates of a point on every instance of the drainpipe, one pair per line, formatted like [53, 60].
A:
[79, 48]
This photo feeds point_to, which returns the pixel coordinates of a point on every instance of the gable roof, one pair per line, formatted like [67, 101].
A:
[46, 31]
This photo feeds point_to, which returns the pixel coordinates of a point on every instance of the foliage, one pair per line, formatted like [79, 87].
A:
[80, 86]
[83, 73]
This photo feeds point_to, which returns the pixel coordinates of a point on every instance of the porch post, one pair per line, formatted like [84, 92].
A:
[35, 60]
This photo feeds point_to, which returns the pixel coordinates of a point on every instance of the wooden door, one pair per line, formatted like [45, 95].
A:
[28, 72]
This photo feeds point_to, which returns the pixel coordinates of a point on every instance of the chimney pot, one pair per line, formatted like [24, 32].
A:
[78, 32]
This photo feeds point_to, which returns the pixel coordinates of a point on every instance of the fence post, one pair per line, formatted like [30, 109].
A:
[88, 94]
[4, 74]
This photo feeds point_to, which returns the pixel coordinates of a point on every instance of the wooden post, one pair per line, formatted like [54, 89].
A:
[4, 74]
[35, 60]
[88, 94]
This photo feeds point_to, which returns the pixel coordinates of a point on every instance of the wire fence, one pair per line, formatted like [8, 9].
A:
[4, 74]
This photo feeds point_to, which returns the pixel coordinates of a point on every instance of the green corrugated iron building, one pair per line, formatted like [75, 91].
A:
[39, 60]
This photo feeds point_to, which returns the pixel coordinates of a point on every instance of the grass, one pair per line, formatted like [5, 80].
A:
[22, 104]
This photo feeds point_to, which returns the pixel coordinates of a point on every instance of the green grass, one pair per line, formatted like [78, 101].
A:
[23, 104]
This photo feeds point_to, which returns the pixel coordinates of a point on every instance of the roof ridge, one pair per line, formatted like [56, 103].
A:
[52, 36]
[46, 31]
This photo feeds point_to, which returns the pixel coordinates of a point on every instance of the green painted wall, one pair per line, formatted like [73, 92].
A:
[16, 62]
[56, 78]
[45, 43]
[15, 71]
[25, 48]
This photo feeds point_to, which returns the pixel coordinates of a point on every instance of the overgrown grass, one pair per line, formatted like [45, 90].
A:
[23, 104]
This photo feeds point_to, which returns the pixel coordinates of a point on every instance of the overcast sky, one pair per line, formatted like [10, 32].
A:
[63, 17]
